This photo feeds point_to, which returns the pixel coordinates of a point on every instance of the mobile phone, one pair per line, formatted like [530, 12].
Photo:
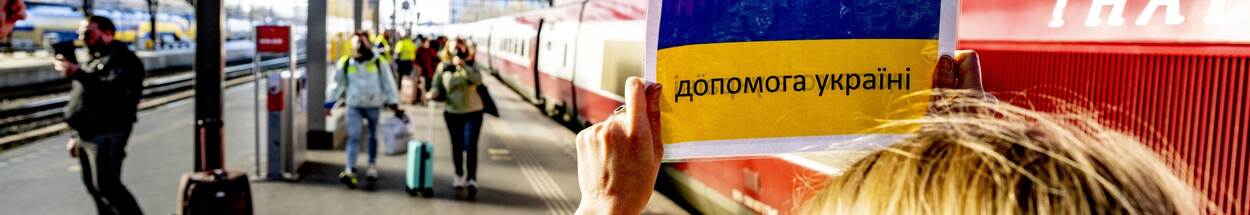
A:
[65, 51]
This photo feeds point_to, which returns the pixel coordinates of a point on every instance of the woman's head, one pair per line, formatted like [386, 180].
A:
[971, 156]
[462, 50]
[363, 47]
[456, 51]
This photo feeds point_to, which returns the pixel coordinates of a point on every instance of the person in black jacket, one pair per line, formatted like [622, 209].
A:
[101, 112]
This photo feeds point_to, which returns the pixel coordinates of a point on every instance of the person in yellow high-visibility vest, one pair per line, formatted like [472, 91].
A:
[406, 54]
[382, 45]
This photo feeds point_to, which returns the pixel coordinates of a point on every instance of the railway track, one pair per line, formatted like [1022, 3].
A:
[47, 109]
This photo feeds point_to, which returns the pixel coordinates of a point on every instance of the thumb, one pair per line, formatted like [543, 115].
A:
[653, 117]
[636, 102]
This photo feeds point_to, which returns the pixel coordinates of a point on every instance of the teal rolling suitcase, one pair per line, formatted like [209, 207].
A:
[420, 170]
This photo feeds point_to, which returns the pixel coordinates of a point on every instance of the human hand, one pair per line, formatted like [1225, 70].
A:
[66, 68]
[618, 159]
[962, 71]
[429, 96]
[72, 147]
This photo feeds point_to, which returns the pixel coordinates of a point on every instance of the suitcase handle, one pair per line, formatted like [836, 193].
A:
[429, 130]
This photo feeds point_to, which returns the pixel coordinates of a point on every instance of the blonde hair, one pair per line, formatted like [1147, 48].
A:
[446, 56]
[973, 156]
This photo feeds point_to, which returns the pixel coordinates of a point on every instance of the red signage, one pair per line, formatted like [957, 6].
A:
[273, 39]
[1153, 21]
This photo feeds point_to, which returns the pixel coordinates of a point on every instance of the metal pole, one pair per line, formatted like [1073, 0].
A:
[256, 85]
[87, 7]
[357, 14]
[152, 5]
[377, 20]
[208, 78]
[394, 13]
[291, 92]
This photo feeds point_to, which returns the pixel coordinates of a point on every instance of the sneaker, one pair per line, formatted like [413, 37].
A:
[371, 174]
[472, 189]
[458, 183]
[348, 178]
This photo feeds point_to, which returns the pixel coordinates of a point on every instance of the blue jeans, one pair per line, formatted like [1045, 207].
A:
[464, 130]
[354, 115]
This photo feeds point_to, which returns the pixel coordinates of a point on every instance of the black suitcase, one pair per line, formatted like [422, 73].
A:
[214, 192]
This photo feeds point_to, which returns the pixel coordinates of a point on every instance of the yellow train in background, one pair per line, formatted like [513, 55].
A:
[51, 22]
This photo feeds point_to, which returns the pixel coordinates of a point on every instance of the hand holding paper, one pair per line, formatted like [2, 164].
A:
[618, 159]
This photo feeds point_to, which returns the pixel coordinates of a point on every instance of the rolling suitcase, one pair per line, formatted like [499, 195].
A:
[214, 192]
[420, 169]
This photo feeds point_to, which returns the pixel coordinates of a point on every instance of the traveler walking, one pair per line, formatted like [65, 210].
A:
[427, 59]
[456, 84]
[365, 80]
[101, 112]
[406, 55]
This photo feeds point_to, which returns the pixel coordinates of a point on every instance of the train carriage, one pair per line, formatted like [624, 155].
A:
[1173, 73]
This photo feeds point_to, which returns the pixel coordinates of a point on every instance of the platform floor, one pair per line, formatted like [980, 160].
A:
[527, 166]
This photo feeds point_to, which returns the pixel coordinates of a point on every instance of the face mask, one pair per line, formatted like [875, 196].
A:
[365, 53]
[464, 55]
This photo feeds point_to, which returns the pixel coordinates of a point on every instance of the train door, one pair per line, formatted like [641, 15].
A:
[559, 34]
[538, 90]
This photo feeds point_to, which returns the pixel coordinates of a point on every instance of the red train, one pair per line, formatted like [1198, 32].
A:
[1175, 73]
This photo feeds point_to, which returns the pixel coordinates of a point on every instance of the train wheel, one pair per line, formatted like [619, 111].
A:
[557, 112]
[566, 114]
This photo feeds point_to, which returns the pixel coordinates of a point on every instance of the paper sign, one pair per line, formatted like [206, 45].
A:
[768, 77]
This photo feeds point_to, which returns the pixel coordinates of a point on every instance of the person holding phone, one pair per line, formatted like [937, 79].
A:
[102, 111]
[456, 84]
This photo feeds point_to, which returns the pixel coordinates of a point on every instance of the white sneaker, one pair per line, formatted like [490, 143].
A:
[371, 173]
[458, 183]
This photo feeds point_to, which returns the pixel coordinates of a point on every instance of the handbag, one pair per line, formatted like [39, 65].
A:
[488, 103]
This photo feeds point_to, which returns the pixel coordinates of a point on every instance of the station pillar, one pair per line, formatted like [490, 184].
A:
[209, 65]
[358, 15]
[315, 63]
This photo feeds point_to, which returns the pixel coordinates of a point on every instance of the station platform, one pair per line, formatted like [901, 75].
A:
[19, 69]
[527, 166]
[26, 68]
